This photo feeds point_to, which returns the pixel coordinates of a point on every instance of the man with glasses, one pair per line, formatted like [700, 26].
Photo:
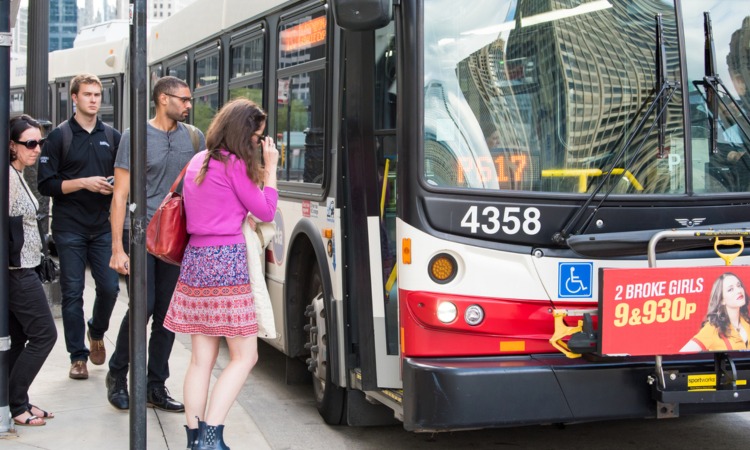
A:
[169, 146]
[74, 171]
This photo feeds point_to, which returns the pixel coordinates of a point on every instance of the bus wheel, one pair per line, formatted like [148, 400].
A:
[329, 398]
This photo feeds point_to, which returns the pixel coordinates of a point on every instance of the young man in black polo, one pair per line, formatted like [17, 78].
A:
[76, 162]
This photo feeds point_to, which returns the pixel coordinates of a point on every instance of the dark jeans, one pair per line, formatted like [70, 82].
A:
[32, 335]
[161, 279]
[74, 250]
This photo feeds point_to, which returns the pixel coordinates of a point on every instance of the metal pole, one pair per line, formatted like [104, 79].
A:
[5, 41]
[35, 100]
[138, 117]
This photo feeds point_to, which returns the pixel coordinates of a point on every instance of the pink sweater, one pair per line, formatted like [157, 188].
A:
[216, 208]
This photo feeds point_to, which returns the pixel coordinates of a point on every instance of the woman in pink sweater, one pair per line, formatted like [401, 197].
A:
[214, 297]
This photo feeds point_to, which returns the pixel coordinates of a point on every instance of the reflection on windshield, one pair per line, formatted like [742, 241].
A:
[728, 168]
[541, 95]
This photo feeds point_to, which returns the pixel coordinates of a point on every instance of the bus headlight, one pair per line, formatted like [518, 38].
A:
[442, 268]
[474, 315]
[447, 312]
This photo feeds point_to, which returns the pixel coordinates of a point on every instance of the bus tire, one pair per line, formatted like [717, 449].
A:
[329, 398]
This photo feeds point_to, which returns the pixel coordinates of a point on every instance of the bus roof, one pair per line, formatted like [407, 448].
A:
[111, 30]
[101, 49]
[201, 20]
[101, 59]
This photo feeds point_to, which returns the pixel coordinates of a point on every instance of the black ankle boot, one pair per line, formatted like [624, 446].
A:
[192, 437]
[210, 437]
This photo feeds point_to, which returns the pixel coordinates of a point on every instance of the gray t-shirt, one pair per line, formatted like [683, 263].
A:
[167, 153]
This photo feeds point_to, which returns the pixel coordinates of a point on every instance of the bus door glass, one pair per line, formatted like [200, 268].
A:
[385, 147]
[719, 131]
[544, 96]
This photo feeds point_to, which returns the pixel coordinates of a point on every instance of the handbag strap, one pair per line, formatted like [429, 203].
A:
[179, 178]
[20, 179]
[45, 249]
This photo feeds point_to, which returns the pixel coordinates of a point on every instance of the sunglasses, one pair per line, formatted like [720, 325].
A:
[31, 143]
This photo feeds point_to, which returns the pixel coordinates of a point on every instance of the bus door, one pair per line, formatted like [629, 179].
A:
[385, 235]
[370, 164]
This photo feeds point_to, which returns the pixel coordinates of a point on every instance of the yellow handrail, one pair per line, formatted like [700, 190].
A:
[385, 183]
[584, 174]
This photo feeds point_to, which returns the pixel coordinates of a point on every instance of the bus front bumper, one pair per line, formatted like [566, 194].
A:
[442, 394]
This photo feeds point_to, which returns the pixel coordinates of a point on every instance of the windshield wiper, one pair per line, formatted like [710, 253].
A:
[714, 87]
[661, 80]
[666, 90]
[709, 71]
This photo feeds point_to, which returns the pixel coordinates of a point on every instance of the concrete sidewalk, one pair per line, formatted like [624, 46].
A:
[84, 419]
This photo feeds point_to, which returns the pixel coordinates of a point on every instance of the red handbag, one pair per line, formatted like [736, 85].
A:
[166, 234]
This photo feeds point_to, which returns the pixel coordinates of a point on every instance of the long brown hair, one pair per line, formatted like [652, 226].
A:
[717, 310]
[232, 130]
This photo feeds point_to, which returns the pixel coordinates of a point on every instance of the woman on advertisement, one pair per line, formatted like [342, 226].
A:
[727, 322]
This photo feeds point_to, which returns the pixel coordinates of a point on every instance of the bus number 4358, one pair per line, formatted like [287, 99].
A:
[512, 220]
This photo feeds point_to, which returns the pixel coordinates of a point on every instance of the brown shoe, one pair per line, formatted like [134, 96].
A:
[78, 370]
[97, 354]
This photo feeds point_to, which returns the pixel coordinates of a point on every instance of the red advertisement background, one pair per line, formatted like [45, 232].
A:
[621, 331]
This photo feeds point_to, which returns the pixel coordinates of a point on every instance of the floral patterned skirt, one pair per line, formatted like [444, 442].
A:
[213, 296]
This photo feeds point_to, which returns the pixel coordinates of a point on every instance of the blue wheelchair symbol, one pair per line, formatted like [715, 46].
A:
[574, 280]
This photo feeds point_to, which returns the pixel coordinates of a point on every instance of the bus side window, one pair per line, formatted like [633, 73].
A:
[300, 118]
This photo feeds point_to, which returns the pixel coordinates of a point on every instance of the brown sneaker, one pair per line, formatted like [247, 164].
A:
[78, 370]
[97, 354]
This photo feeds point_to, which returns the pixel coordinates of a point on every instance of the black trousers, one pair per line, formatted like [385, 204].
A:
[32, 335]
[161, 279]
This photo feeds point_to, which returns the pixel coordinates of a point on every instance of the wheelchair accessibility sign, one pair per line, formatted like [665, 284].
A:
[574, 280]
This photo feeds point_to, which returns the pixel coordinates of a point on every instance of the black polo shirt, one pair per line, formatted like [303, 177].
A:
[89, 155]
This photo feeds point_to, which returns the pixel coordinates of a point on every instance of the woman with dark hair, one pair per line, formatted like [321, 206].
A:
[727, 322]
[32, 328]
[213, 297]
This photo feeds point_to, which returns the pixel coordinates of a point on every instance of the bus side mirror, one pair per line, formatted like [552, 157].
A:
[362, 15]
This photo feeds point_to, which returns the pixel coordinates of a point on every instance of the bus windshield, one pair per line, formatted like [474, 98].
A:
[563, 96]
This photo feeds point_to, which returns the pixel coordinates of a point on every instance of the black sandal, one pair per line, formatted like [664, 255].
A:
[27, 422]
[42, 414]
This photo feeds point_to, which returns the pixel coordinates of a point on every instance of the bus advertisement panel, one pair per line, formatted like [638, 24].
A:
[667, 311]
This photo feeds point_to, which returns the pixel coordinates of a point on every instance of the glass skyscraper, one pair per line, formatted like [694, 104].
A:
[63, 24]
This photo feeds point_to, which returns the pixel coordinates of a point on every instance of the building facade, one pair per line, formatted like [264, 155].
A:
[63, 24]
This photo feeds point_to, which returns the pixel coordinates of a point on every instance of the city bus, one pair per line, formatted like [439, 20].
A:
[100, 49]
[480, 200]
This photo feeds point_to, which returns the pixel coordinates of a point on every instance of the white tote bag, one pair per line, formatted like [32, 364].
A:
[263, 308]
